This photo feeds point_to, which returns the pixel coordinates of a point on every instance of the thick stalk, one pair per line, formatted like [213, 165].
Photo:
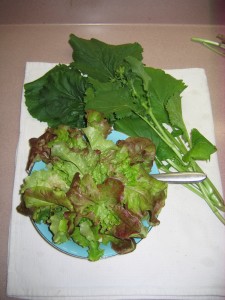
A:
[212, 191]
[163, 134]
[210, 204]
[192, 187]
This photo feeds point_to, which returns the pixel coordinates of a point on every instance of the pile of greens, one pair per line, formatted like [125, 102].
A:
[137, 100]
[92, 190]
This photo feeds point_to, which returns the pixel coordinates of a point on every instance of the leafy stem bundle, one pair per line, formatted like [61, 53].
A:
[136, 99]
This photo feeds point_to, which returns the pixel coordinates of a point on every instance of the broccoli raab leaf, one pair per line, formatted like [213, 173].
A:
[109, 97]
[138, 100]
[201, 148]
[92, 189]
[100, 60]
[57, 97]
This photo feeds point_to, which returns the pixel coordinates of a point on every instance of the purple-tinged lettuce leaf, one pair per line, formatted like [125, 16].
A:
[130, 225]
[39, 149]
[95, 202]
[42, 196]
[85, 160]
[44, 178]
[124, 246]
[141, 151]
[97, 120]
[146, 197]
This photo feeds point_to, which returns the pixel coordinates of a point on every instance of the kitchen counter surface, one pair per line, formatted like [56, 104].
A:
[165, 46]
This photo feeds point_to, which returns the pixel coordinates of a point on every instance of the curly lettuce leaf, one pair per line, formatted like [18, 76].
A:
[72, 137]
[130, 226]
[42, 214]
[98, 121]
[39, 149]
[146, 195]
[124, 246]
[96, 202]
[141, 151]
[41, 196]
[87, 236]
[58, 226]
[97, 140]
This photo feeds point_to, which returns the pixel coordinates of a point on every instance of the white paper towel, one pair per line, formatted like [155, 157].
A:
[181, 258]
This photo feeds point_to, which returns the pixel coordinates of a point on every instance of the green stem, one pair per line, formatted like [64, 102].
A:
[182, 144]
[206, 190]
[163, 134]
[193, 187]
[212, 191]
[208, 201]
[168, 138]
[205, 41]
[210, 45]
[214, 50]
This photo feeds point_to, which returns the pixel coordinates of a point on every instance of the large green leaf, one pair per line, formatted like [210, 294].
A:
[57, 97]
[201, 147]
[100, 60]
[162, 88]
[175, 114]
[109, 98]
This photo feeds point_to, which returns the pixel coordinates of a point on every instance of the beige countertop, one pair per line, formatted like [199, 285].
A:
[165, 46]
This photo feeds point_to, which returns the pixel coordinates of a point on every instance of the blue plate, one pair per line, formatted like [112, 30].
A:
[70, 247]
